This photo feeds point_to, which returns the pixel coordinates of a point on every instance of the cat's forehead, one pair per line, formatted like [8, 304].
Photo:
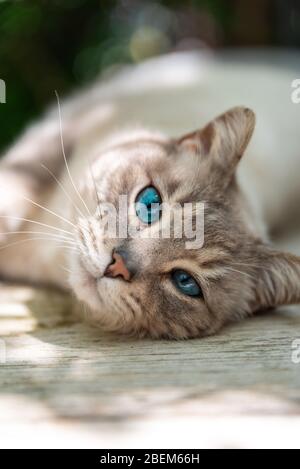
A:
[156, 155]
[153, 159]
[132, 156]
[138, 143]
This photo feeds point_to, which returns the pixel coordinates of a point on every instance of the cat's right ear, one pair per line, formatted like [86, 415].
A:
[224, 140]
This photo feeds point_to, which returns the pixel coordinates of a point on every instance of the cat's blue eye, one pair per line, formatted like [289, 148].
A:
[148, 205]
[185, 283]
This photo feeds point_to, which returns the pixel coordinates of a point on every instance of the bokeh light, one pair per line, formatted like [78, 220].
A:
[60, 45]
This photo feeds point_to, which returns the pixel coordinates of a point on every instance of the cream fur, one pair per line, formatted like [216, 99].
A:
[168, 96]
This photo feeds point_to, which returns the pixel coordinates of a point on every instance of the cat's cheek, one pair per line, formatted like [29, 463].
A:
[83, 285]
[87, 293]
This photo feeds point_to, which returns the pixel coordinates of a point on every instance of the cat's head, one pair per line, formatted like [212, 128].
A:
[160, 285]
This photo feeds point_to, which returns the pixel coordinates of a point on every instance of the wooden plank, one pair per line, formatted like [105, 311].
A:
[79, 386]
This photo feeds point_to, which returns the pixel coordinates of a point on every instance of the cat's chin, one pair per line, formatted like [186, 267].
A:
[84, 285]
[101, 298]
[88, 290]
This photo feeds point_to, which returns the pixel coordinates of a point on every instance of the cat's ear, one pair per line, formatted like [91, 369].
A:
[224, 140]
[277, 279]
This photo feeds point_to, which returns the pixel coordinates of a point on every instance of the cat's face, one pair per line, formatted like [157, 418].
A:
[160, 286]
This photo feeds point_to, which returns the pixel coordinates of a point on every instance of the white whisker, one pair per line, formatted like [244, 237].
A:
[36, 223]
[35, 239]
[41, 233]
[71, 248]
[63, 189]
[64, 155]
[240, 272]
[65, 269]
[94, 182]
[260, 268]
[49, 211]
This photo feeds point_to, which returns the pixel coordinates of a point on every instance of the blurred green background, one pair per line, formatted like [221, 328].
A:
[48, 45]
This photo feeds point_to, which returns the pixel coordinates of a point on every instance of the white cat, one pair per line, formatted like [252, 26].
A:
[130, 134]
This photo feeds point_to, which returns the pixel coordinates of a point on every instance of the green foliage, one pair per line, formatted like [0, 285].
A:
[48, 45]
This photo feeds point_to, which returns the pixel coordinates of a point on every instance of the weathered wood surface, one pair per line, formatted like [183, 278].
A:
[65, 384]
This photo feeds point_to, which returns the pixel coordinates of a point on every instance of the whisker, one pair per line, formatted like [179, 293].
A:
[94, 182]
[259, 267]
[36, 223]
[63, 189]
[253, 266]
[64, 154]
[240, 272]
[39, 232]
[72, 248]
[65, 269]
[49, 211]
[246, 264]
[33, 239]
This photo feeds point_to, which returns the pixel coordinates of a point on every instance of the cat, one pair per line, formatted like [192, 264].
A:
[133, 134]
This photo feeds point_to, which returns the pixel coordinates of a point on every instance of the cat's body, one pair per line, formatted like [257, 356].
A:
[138, 110]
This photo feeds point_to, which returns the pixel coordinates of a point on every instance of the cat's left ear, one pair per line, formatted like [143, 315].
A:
[224, 140]
[277, 279]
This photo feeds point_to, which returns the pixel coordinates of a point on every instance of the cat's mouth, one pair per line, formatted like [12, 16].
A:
[86, 286]
[94, 284]
[89, 281]
[94, 280]
[87, 278]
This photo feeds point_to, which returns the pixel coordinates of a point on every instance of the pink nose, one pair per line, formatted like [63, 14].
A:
[118, 268]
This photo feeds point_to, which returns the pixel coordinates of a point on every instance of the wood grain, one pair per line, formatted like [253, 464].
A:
[66, 384]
